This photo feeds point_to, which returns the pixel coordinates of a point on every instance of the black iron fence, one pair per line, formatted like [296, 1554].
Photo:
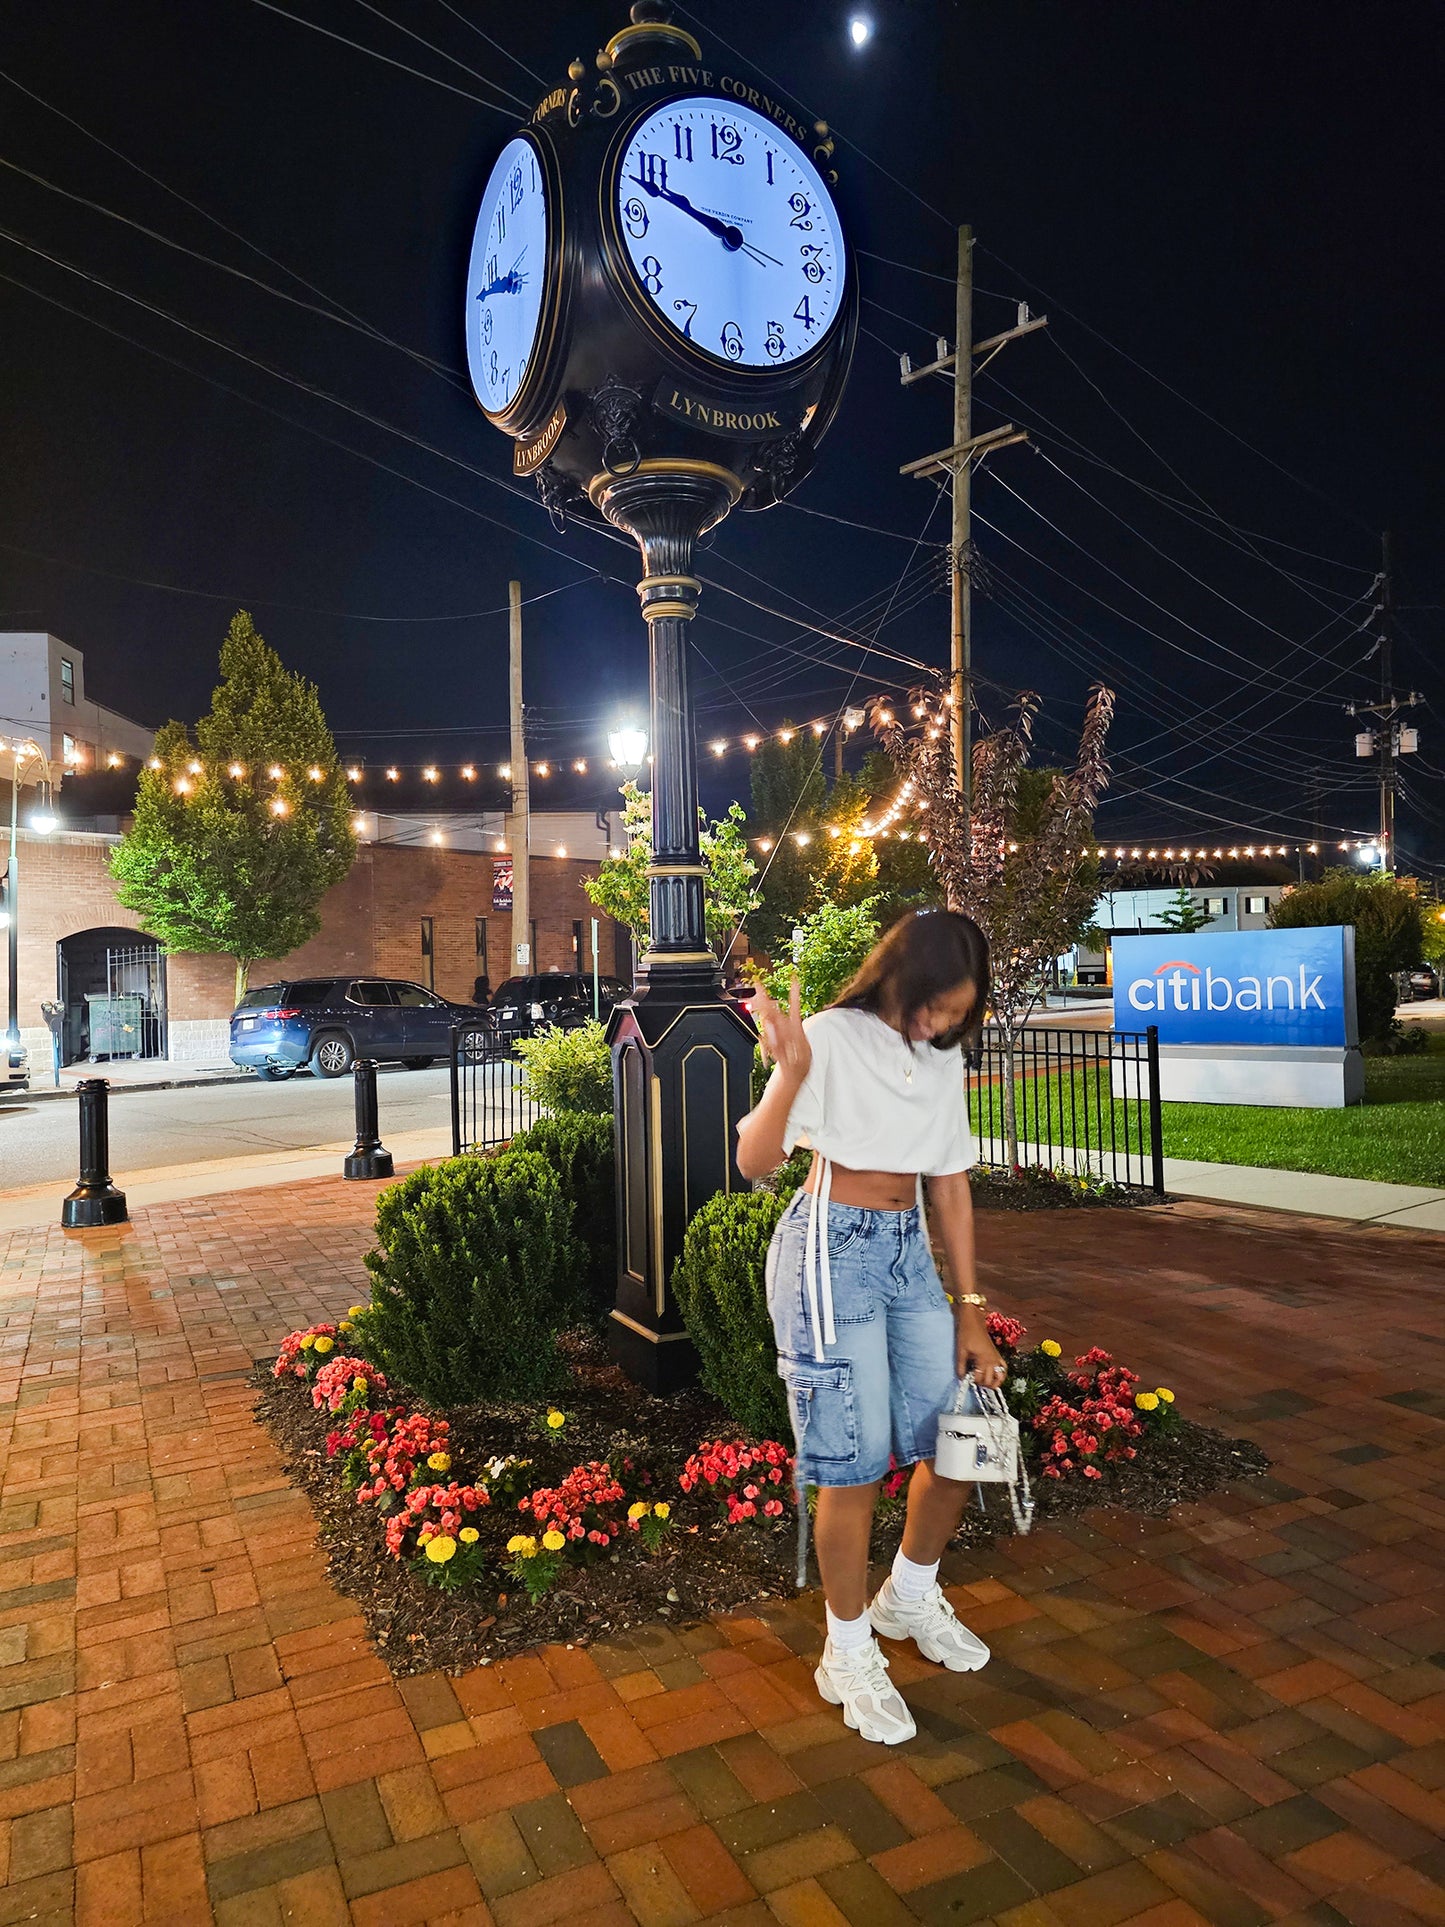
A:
[489, 1099]
[1081, 1100]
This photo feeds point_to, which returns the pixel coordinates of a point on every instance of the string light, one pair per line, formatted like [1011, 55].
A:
[469, 773]
[718, 749]
[194, 768]
[154, 763]
[237, 769]
[275, 772]
[506, 772]
[431, 774]
[183, 784]
[544, 769]
[580, 766]
[316, 773]
[353, 774]
[279, 806]
[393, 776]
[114, 760]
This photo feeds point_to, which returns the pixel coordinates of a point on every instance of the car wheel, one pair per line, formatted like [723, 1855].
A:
[333, 1055]
[418, 1063]
[271, 1073]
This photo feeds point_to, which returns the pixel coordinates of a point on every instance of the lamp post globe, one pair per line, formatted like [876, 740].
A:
[660, 310]
[628, 745]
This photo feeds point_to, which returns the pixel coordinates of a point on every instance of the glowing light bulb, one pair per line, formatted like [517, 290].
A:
[183, 784]
[155, 763]
[112, 761]
[505, 772]
[580, 766]
[237, 769]
[316, 773]
[431, 774]
[544, 769]
[719, 748]
[275, 772]
[279, 806]
[393, 776]
[469, 773]
[353, 774]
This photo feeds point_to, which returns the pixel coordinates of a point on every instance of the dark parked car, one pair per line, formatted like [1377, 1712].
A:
[1421, 981]
[560, 998]
[328, 1022]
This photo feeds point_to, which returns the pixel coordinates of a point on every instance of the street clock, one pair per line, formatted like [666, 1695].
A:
[659, 269]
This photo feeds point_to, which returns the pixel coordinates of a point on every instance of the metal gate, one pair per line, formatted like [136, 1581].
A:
[489, 1100]
[131, 1019]
[1085, 1100]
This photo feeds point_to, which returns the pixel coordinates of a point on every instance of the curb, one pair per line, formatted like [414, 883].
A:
[48, 1094]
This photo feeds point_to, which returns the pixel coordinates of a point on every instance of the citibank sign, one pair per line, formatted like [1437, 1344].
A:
[1239, 987]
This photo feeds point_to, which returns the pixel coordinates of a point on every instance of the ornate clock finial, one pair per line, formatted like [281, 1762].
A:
[650, 12]
[652, 35]
[576, 70]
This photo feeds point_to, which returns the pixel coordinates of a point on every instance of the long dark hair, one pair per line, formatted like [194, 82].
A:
[924, 956]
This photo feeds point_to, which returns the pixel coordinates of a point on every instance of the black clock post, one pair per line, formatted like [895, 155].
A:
[683, 350]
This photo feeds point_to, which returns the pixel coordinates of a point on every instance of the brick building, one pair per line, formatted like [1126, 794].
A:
[424, 913]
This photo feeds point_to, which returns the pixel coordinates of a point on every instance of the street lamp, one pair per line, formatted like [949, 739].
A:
[628, 744]
[42, 821]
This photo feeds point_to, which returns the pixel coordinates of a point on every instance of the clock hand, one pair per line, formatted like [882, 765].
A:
[508, 283]
[759, 256]
[730, 236]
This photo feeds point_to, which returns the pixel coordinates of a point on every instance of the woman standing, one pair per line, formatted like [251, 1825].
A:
[868, 1346]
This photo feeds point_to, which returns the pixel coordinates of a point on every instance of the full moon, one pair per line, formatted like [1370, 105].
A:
[860, 31]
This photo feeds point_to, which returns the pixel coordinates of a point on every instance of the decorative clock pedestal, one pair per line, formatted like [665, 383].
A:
[681, 1056]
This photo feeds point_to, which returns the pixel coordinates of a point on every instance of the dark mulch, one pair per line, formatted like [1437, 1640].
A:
[1030, 1188]
[706, 1566]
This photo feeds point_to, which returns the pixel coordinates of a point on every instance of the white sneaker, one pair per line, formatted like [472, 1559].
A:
[858, 1682]
[932, 1625]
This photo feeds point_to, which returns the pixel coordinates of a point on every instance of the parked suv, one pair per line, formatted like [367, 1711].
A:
[560, 999]
[328, 1022]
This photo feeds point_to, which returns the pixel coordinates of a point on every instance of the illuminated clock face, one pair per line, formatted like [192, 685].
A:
[506, 278]
[731, 233]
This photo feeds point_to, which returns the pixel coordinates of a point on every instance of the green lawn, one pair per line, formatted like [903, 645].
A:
[1397, 1134]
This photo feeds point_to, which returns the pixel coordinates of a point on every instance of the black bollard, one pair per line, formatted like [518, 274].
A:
[370, 1158]
[95, 1200]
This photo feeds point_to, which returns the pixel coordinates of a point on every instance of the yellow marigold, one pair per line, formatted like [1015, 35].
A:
[440, 1549]
[638, 1511]
[1163, 1391]
[469, 1535]
[358, 1384]
[663, 1510]
[1051, 1348]
[439, 1461]
[354, 1310]
[325, 1345]
[553, 1540]
[556, 1419]
[308, 1341]
[1146, 1401]
[521, 1543]
[344, 1326]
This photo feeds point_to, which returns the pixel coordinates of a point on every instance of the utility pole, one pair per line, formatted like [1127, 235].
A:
[1391, 739]
[958, 462]
[519, 822]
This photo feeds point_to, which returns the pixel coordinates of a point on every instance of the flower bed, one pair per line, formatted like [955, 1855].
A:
[494, 1527]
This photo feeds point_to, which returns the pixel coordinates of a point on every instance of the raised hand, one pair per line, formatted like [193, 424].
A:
[783, 1039]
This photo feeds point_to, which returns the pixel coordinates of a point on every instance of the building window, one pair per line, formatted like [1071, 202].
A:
[1256, 906]
[579, 963]
[69, 751]
[67, 680]
[1217, 906]
[429, 968]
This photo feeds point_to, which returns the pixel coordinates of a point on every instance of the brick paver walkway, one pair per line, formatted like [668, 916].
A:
[1235, 1715]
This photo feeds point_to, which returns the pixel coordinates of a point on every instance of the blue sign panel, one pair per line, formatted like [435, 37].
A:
[1239, 987]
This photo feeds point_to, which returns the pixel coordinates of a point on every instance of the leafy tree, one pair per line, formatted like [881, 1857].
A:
[620, 887]
[905, 877]
[1389, 929]
[1185, 914]
[222, 856]
[817, 850]
[1020, 861]
[832, 942]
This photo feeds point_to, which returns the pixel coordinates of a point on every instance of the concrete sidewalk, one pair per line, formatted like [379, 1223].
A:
[126, 1074]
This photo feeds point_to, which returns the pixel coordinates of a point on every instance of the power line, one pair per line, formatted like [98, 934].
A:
[431, 47]
[297, 20]
[506, 52]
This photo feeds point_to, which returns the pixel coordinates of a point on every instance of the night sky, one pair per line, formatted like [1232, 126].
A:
[1241, 201]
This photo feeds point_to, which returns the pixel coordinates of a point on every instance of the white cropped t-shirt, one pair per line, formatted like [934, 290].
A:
[873, 1102]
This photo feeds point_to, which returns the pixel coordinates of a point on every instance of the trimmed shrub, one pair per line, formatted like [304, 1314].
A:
[569, 1070]
[580, 1150]
[721, 1292]
[476, 1273]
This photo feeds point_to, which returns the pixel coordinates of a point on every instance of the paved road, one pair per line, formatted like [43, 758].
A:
[38, 1141]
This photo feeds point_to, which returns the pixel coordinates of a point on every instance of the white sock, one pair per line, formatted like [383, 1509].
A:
[911, 1581]
[848, 1635]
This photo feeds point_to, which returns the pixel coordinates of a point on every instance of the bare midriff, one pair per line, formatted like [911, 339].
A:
[868, 1190]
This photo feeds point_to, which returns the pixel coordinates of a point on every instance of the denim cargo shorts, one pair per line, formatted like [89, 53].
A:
[881, 1386]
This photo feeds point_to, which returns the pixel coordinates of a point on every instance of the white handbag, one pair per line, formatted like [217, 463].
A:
[978, 1444]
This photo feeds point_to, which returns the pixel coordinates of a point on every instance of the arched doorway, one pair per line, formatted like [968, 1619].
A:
[112, 985]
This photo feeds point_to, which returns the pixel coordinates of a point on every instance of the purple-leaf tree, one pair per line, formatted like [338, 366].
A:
[1020, 857]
